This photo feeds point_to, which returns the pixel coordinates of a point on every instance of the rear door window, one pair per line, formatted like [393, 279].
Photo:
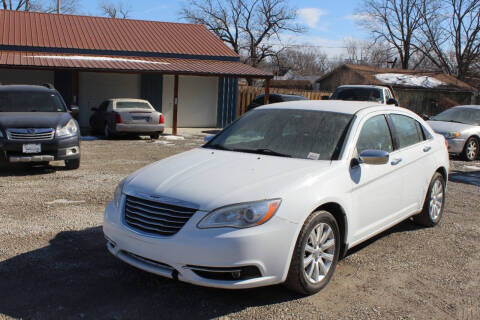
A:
[407, 130]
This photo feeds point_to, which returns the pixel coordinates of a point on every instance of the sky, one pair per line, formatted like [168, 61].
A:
[328, 22]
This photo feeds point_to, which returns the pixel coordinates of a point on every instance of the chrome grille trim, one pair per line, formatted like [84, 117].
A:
[30, 134]
[155, 218]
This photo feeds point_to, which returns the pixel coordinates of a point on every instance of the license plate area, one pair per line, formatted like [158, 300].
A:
[142, 118]
[32, 148]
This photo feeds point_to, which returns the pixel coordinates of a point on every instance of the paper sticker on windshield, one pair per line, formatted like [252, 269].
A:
[313, 156]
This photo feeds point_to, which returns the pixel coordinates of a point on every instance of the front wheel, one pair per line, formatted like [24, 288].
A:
[316, 254]
[470, 152]
[155, 135]
[432, 211]
[72, 164]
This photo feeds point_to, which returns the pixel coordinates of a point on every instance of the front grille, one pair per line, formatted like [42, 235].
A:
[155, 217]
[30, 134]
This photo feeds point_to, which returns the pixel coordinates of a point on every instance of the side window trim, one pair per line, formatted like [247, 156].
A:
[363, 125]
[393, 132]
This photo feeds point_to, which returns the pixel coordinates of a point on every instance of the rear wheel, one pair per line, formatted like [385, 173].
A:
[316, 254]
[155, 135]
[72, 164]
[432, 211]
[470, 152]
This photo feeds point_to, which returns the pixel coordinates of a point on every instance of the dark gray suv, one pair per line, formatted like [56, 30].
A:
[36, 126]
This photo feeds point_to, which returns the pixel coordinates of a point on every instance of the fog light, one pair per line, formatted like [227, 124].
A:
[72, 151]
[236, 275]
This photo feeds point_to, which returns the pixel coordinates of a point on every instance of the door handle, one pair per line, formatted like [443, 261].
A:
[426, 149]
[396, 161]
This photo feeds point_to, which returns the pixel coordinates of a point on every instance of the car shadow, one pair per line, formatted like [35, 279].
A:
[75, 277]
[27, 169]
[405, 226]
[466, 177]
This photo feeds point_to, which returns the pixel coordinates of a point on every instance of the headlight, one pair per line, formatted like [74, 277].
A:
[451, 135]
[117, 196]
[241, 215]
[70, 129]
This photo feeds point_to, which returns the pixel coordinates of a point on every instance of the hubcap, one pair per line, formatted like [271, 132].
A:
[436, 200]
[319, 253]
[472, 149]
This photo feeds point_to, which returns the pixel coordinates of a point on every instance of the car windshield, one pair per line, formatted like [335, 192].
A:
[304, 134]
[358, 94]
[30, 101]
[459, 115]
[132, 105]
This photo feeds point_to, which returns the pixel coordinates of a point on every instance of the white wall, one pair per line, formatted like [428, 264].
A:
[18, 76]
[197, 101]
[94, 87]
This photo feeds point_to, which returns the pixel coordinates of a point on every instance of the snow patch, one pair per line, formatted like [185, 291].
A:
[65, 201]
[163, 142]
[107, 59]
[174, 138]
[409, 80]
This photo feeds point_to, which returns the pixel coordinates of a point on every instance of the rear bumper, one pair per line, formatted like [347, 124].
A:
[67, 148]
[139, 127]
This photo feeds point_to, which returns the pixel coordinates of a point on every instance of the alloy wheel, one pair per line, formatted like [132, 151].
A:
[472, 149]
[319, 253]
[436, 200]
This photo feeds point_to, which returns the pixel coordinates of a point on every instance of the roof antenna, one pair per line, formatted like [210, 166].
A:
[58, 6]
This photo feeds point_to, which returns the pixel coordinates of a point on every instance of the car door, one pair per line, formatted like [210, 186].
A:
[377, 189]
[412, 159]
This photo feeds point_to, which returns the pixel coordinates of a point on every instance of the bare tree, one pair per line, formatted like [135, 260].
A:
[450, 34]
[303, 61]
[375, 54]
[394, 22]
[50, 6]
[250, 27]
[115, 10]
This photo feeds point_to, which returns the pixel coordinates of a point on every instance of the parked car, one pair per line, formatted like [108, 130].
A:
[114, 117]
[380, 94]
[461, 127]
[37, 127]
[280, 195]
[273, 98]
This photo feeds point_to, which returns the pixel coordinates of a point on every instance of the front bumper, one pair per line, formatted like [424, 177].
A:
[267, 247]
[139, 128]
[456, 145]
[66, 148]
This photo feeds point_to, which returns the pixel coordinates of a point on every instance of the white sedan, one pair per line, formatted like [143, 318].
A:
[280, 195]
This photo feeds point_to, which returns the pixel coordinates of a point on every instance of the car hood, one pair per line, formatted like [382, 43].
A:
[444, 126]
[33, 119]
[213, 178]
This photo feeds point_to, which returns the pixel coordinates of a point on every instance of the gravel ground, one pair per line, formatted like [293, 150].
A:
[53, 261]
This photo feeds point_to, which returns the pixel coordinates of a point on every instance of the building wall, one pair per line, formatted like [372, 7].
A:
[94, 87]
[18, 76]
[197, 101]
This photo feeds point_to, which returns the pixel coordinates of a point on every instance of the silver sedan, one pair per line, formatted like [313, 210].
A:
[461, 127]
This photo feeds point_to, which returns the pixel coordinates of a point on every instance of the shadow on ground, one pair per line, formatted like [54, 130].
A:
[28, 169]
[467, 177]
[75, 277]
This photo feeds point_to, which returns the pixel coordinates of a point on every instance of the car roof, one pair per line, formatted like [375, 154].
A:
[128, 100]
[347, 107]
[25, 87]
[362, 86]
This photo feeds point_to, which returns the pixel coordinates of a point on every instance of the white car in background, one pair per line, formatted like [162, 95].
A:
[115, 117]
[280, 195]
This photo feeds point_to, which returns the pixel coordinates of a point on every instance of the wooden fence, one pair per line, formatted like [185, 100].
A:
[246, 94]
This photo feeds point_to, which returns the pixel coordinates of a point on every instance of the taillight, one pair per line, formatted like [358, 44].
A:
[118, 119]
[162, 119]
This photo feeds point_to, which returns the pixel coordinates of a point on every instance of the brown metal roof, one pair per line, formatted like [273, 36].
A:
[42, 60]
[41, 32]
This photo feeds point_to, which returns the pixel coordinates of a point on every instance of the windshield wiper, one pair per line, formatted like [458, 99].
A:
[218, 147]
[456, 121]
[264, 151]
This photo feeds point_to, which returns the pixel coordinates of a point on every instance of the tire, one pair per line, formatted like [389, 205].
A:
[434, 205]
[155, 135]
[471, 149]
[106, 132]
[298, 279]
[72, 164]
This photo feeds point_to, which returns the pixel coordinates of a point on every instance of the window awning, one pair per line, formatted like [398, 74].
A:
[128, 64]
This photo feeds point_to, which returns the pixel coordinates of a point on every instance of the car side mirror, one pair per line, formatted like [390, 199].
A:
[325, 97]
[374, 157]
[392, 101]
[208, 138]
[74, 110]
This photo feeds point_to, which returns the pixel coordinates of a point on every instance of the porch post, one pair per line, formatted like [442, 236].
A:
[175, 105]
[267, 91]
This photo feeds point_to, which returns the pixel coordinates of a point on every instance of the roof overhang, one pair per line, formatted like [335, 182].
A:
[128, 64]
